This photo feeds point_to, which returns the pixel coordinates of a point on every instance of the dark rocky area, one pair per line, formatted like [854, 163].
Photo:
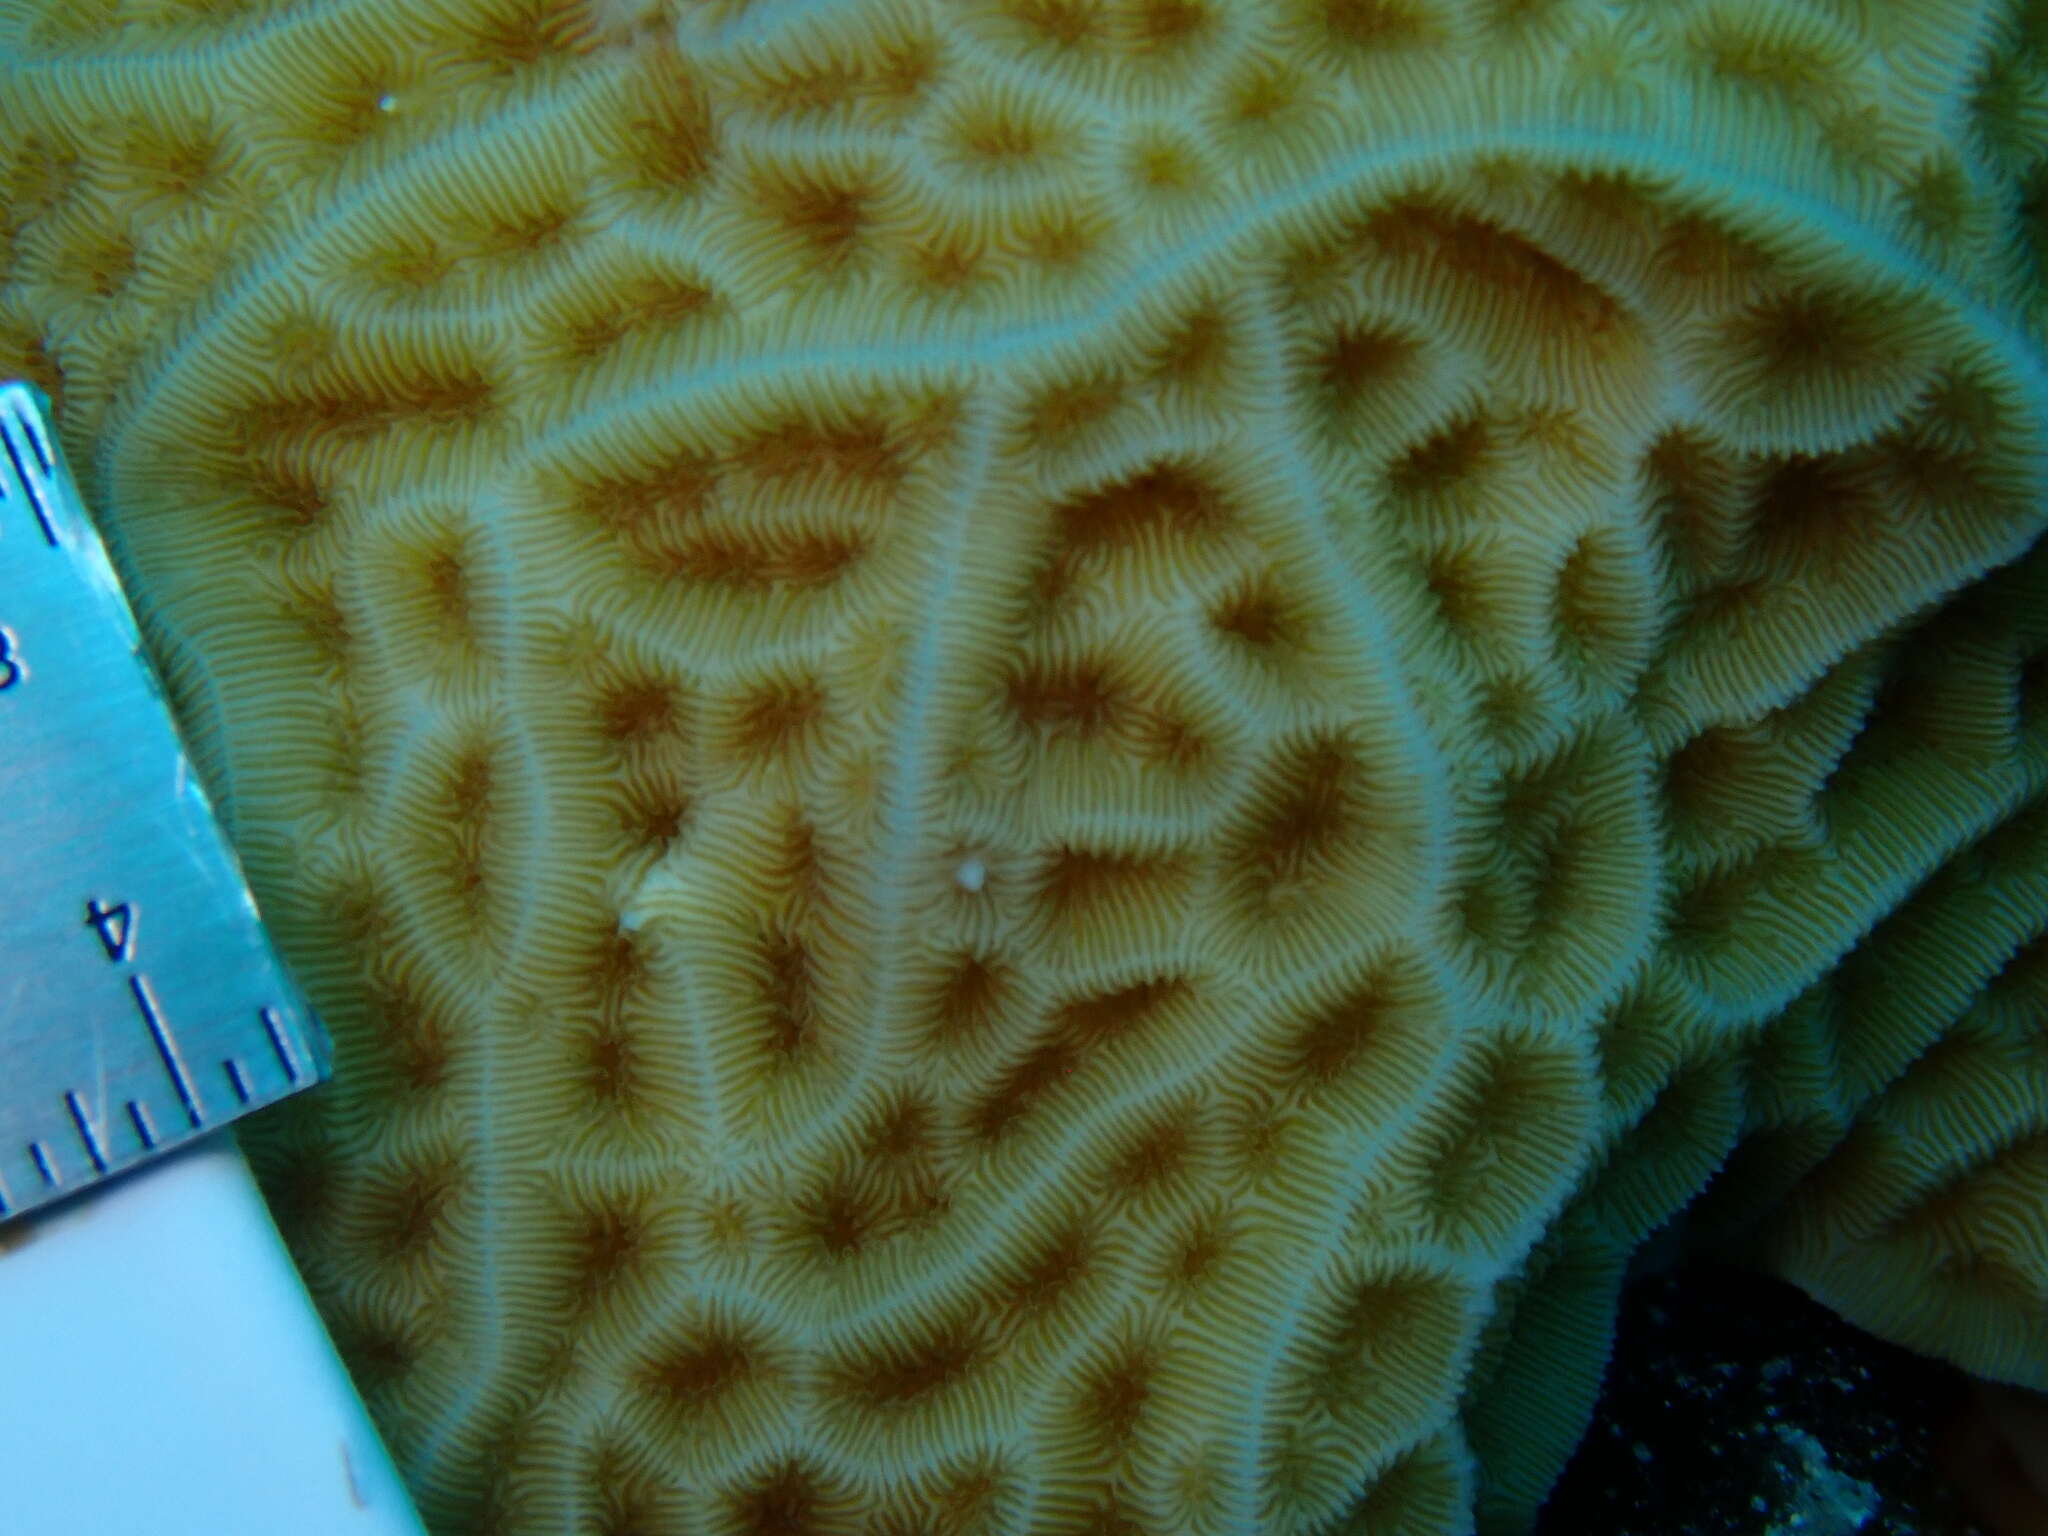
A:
[1737, 1406]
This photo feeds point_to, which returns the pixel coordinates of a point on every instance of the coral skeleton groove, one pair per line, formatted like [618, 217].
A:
[1049, 763]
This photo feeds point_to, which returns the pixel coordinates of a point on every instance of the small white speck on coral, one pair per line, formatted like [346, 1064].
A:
[971, 875]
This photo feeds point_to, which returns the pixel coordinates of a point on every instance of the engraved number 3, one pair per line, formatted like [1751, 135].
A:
[11, 669]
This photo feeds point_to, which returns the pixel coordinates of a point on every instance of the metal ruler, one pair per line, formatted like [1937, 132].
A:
[141, 1003]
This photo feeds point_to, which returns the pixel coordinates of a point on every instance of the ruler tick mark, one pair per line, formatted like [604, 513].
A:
[30, 423]
[238, 1078]
[86, 1133]
[160, 1032]
[139, 1113]
[45, 1164]
[31, 477]
[278, 1043]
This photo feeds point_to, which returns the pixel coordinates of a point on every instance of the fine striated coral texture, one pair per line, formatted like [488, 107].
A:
[1049, 761]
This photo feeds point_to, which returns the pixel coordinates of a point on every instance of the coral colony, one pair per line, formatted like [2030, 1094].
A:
[1049, 761]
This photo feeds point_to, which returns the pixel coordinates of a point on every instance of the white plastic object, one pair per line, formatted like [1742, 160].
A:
[163, 1372]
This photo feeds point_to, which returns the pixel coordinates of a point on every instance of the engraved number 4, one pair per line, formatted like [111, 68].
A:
[115, 926]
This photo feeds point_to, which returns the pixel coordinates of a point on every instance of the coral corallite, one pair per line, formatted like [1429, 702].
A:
[1049, 761]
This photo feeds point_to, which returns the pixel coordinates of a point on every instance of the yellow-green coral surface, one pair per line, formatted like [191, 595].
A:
[1049, 761]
